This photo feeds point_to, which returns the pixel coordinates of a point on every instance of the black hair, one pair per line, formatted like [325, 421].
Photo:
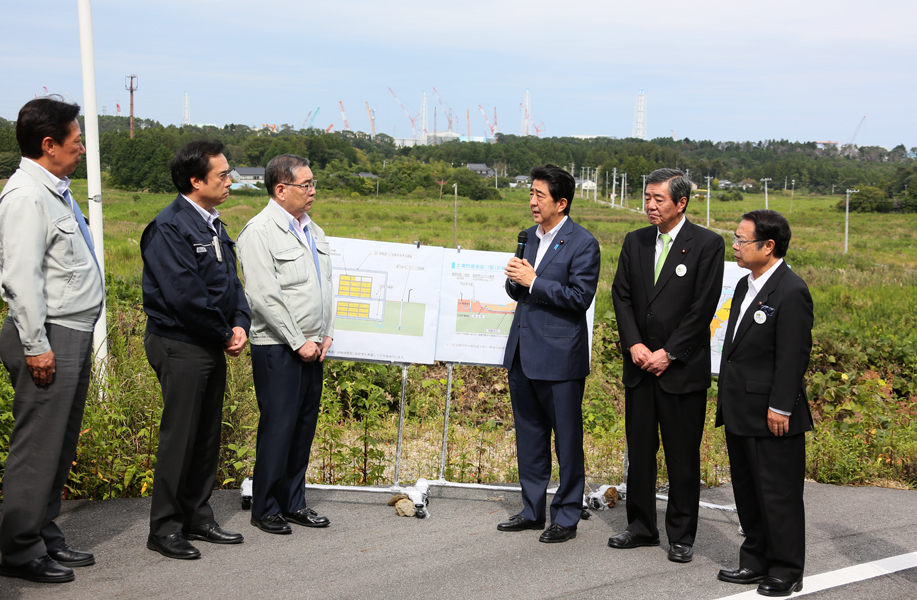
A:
[771, 225]
[44, 117]
[560, 183]
[193, 160]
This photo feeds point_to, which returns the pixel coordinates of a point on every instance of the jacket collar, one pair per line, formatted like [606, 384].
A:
[756, 303]
[37, 173]
[677, 252]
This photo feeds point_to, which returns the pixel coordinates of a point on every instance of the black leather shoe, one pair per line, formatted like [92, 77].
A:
[519, 523]
[307, 518]
[272, 524]
[742, 576]
[681, 553]
[556, 534]
[213, 533]
[629, 539]
[172, 546]
[778, 587]
[43, 569]
[68, 557]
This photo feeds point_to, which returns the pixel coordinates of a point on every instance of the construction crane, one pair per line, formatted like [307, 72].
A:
[493, 128]
[344, 117]
[118, 106]
[853, 138]
[674, 139]
[271, 127]
[372, 119]
[310, 117]
[538, 128]
[328, 130]
[413, 119]
[446, 110]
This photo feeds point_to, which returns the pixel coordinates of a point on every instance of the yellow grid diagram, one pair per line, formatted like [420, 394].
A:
[353, 309]
[355, 286]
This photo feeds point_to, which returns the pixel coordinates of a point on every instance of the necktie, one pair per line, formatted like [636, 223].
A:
[311, 241]
[666, 240]
[81, 221]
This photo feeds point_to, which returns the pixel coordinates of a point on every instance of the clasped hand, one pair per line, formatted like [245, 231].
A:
[518, 270]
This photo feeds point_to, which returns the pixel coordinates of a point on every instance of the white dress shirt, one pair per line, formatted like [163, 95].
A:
[546, 238]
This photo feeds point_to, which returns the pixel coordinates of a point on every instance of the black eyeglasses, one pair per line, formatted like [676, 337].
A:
[309, 185]
[737, 241]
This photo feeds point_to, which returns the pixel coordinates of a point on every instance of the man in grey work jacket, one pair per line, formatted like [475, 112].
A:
[287, 269]
[54, 290]
[196, 312]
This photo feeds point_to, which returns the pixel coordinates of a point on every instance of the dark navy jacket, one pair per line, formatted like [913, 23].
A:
[188, 295]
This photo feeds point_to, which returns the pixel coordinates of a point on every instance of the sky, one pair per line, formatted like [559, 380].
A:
[803, 70]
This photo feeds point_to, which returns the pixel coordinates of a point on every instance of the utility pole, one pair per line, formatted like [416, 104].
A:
[792, 195]
[614, 186]
[643, 206]
[847, 217]
[130, 84]
[765, 180]
[708, 178]
[455, 218]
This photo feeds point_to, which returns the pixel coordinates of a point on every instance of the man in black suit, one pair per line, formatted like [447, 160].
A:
[547, 354]
[665, 293]
[762, 402]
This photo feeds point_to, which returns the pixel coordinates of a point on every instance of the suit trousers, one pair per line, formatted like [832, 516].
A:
[539, 407]
[289, 392]
[768, 474]
[193, 381]
[43, 442]
[648, 411]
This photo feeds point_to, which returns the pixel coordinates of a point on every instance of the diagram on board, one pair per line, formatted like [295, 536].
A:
[731, 276]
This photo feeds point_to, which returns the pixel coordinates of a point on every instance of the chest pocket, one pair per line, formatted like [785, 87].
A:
[68, 245]
[290, 266]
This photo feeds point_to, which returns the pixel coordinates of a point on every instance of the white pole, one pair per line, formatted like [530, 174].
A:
[455, 218]
[93, 169]
[847, 217]
[708, 202]
[614, 185]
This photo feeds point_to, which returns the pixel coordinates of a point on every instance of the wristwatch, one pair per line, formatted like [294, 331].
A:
[670, 355]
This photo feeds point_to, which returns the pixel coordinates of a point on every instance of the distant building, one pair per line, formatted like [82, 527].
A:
[365, 175]
[248, 175]
[480, 169]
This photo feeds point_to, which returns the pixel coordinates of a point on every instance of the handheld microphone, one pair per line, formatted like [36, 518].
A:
[523, 240]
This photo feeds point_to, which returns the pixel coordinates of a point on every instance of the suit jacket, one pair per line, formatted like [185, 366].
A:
[289, 304]
[764, 366]
[675, 313]
[549, 326]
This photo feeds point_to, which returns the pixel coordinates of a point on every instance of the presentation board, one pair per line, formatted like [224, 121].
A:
[731, 276]
[475, 310]
[386, 300]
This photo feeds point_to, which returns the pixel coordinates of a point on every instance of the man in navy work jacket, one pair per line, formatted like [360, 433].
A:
[196, 311]
[762, 402]
[665, 292]
[547, 354]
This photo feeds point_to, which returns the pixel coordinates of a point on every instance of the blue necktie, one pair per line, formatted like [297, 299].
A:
[81, 221]
[311, 242]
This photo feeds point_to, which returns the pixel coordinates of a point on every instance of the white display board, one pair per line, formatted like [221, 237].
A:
[731, 276]
[386, 300]
[475, 311]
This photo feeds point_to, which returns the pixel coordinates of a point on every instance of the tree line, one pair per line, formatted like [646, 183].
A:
[338, 158]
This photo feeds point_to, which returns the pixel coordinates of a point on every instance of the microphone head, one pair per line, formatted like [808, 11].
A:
[523, 237]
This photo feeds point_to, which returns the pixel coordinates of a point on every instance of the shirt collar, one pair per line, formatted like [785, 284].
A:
[210, 217]
[541, 233]
[303, 221]
[758, 284]
[675, 230]
[61, 185]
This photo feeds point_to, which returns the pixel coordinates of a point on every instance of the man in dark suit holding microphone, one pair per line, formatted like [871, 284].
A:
[547, 354]
[762, 402]
[665, 292]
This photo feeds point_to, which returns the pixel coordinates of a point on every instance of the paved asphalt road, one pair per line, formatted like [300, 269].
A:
[368, 552]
